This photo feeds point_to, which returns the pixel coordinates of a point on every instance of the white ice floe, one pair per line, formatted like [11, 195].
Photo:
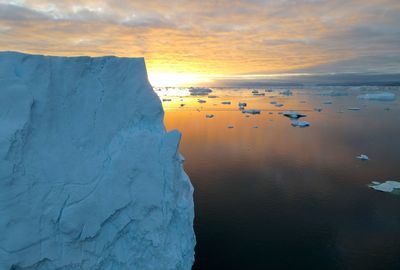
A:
[199, 91]
[286, 92]
[382, 96]
[388, 186]
[300, 123]
[362, 157]
[226, 102]
[209, 115]
[293, 115]
[89, 177]
[251, 111]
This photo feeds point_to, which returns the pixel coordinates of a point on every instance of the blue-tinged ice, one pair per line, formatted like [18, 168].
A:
[89, 178]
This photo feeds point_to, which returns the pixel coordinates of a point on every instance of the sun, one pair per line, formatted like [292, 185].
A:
[164, 79]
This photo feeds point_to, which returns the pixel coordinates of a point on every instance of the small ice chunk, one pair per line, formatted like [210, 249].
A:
[258, 94]
[242, 105]
[254, 91]
[255, 126]
[270, 113]
[251, 111]
[226, 102]
[230, 126]
[211, 96]
[318, 109]
[300, 123]
[353, 109]
[293, 115]
[273, 102]
[286, 92]
[278, 105]
[201, 101]
[383, 96]
[388, 186]
[209, 115]
[268, 90]
[362, 157]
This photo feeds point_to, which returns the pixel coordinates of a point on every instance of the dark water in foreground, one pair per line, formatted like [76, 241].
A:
[280, 197]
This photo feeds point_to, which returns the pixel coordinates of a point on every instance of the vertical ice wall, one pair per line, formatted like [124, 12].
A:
[89, 178]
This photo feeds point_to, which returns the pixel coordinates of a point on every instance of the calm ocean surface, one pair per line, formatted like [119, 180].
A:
[284, 197]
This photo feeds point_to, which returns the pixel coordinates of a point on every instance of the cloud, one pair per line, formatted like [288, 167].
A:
[213, 37]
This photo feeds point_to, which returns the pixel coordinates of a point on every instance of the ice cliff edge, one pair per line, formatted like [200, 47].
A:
[89, 178]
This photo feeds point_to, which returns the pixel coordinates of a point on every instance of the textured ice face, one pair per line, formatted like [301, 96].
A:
[89, 177]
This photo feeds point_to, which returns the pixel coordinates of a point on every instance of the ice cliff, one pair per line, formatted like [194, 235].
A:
[89, 178]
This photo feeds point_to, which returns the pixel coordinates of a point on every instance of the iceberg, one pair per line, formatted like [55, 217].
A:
[388, 186]
[199, 91]
[302, 124]
[362, 157]
[334, 93]
[251, 111]
[293, 115]
[286, 92]
[383, 96]
[90, 178]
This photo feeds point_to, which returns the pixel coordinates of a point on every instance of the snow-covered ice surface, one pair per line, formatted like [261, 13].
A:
[89, 177]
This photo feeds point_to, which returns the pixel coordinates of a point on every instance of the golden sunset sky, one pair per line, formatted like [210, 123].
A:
[200, 42]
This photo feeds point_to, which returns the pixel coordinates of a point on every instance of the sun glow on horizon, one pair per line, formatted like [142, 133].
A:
[170, 79]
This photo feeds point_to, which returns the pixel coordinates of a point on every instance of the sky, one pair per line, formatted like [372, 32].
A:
[224, 42]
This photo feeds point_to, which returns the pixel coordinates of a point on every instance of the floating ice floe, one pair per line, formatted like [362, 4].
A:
[278, 105]
[388, 186]
[383, 96]
[226, 102]
[318, 109]
[251, 111]
[201, 101]
[353, 109]
[242, 105]
[293, 115]
[300, 123]
[362, 157]
[334, 94]
[209, 115]
[230, 126]
[286, 92]
[199, 91]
